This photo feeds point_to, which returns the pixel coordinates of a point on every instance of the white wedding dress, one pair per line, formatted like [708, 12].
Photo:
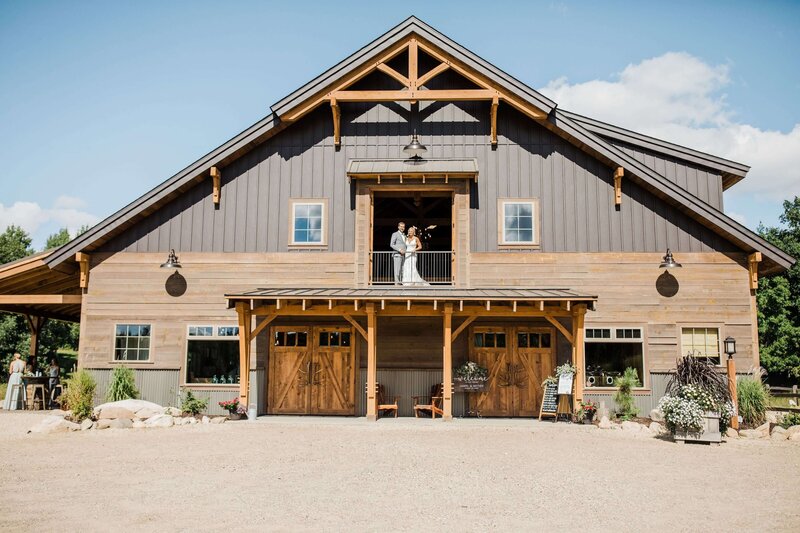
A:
[15, 396]
[411, 275]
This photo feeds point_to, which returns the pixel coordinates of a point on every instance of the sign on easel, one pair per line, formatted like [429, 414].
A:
[549, 405]
[565, 382]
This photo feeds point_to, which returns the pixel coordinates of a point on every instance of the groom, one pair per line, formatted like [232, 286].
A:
[398, 244]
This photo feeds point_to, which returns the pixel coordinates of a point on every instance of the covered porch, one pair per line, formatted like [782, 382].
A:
[455, 309]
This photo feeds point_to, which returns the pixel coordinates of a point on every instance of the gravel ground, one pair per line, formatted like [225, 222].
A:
[291, 474]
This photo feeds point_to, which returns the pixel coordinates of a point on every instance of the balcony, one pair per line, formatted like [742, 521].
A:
[435, 268]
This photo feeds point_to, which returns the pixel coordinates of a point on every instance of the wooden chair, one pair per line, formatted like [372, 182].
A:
[383, 405]
[430, 404]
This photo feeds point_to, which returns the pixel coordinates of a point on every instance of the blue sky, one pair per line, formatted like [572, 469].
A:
[104, 100]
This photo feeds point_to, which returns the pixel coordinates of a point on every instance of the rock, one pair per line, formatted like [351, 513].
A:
[604, 423]
[138, 424]
[795, 436]
[192, 421]
[160, 421]
[731, 433]
[764, 429]
[206, 420]
[656, 416]
[130, 405]
[180, 421]
[172, 411]
[121, 423]
[773, 417]
[793, 430]
[751, 434]
[633, 427]
[58, 412]
[657, 428]
[115, 412]
[218, 420]
[87, 424]
[147, 412]
[779, 429]
[779, 435]
[103, 423]
[54, 424]
[602, 411]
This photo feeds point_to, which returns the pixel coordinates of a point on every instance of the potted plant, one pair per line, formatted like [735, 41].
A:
[470, 377]
[697, 406]
[587, 411]
[232, 406]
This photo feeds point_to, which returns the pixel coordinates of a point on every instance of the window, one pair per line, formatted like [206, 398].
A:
[334, 339]
[132, 342]
[609, 351]
[490, 339]
[291, 338]
[212, 359]
[701, 342]
[533, 340]
[518, 222]
[308, 222]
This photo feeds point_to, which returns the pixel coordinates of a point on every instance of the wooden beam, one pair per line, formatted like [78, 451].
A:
[618, 174]
[337, 122]
[413, 63]
[372, 364]
[578, 358]
[264, 323]
[448, 95]
[447, 363]
[41, 299]
[495, 105]
[406, 308]
[386, 69]
[356, 325]
[35, 324]
[464, 325]
[752, 266]
[243, 312]
[560, 327]
[216, 188]
[432, 73]
[84, 261]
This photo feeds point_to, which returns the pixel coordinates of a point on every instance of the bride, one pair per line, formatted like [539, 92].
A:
[410, 273]
[15, 395]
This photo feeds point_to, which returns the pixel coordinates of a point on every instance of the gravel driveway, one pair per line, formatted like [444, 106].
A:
[337, 474]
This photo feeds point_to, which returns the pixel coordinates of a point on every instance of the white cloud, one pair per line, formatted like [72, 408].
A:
[30, 216]
[679, 98]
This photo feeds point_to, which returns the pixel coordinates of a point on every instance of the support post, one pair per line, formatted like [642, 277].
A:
[578, 353]
[35, 324]
[372, 364]
[244, 312]
[734, 423]
[447, 364]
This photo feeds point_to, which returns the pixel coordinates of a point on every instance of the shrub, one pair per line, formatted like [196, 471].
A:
[78, 396]
[753, 399]
[624, 395]
[192, 404]
[700, 372]
[122, 386]
[790, 419]
[686, 407]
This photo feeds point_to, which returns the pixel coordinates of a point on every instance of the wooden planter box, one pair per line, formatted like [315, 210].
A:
[469, 385]
[710, 432]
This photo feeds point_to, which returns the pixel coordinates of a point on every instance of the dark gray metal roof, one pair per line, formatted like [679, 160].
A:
[732, 171]
[412, 293]
[372, 167]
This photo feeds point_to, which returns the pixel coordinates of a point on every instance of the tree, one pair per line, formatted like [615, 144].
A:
[60, 238]
[779, 301]
[15, 243]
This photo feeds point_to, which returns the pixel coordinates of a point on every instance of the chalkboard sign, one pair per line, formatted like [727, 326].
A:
[565, 383]
[549, 400]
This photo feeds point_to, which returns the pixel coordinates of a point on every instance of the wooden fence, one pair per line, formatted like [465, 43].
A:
[785, 392]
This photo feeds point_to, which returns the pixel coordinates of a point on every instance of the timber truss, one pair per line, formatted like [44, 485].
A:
[414, 87]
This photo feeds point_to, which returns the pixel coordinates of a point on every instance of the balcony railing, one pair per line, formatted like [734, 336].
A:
[436, 268]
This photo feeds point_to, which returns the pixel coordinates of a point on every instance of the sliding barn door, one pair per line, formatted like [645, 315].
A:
[290, 371]
[489, 348]
[534, 360]
[333, 372]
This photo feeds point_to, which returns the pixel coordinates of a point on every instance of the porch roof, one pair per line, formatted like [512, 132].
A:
[29, 287]
[373, 168]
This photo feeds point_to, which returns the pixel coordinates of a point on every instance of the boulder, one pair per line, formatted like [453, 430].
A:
[115, 412]
[172, 411]
[58, 412]
[605, 423]
[206, 420]
[121, 423]
[160, 421]
[656, 428]
[131, 405]
[779, 429]
[764, 429]
[795, 436]
[632, 427]
[792, 430]
[751, 434]
[731, 433]
[779, 435]
[147, 412]
[54, 424]
[191, 421]
[103, 423]
[218, 420]
[138, 424]
[87, 424]
[656, 416]
[180, 421]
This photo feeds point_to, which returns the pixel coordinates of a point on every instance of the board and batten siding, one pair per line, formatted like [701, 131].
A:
[575, 190]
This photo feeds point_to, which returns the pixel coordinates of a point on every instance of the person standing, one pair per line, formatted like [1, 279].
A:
[398, 244]
[54, 377]
[15, 395]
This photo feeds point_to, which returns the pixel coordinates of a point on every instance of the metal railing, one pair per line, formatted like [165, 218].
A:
[435, 268]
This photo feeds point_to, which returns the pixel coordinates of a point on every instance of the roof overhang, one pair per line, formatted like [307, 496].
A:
[29, 287]
[412, 168]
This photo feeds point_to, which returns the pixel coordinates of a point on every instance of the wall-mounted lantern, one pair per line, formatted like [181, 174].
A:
[669, 261]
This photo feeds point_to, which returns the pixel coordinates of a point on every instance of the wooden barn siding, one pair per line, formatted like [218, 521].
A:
[704, 183]
[713, 289]
[575, 190]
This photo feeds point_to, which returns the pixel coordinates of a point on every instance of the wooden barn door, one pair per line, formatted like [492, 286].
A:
[489, 348]
[290, 366]
[333, 372]
[534, 360]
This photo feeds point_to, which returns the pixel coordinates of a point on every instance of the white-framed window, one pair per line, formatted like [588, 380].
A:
[308, 221]
[609, 351]
[518, 221]
[212, 355]
[701, 342]
[132, 342]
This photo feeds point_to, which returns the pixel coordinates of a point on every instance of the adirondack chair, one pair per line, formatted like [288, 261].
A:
[430, 404]
[383, 404]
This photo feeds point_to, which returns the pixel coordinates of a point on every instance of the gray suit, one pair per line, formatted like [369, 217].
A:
[398, 244]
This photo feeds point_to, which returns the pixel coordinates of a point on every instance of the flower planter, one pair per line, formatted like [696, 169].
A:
[469, 385]
[234, 416]
[709, 433]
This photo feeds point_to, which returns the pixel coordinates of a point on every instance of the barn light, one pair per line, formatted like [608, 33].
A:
[415, 149]
[730, 346]
[172, 261]
[669, 261]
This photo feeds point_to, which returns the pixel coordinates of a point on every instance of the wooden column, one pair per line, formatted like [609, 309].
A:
[372, 364]
[734, 423]
[35, 324]
[245, 324]
[447, 363]
[578, 359]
